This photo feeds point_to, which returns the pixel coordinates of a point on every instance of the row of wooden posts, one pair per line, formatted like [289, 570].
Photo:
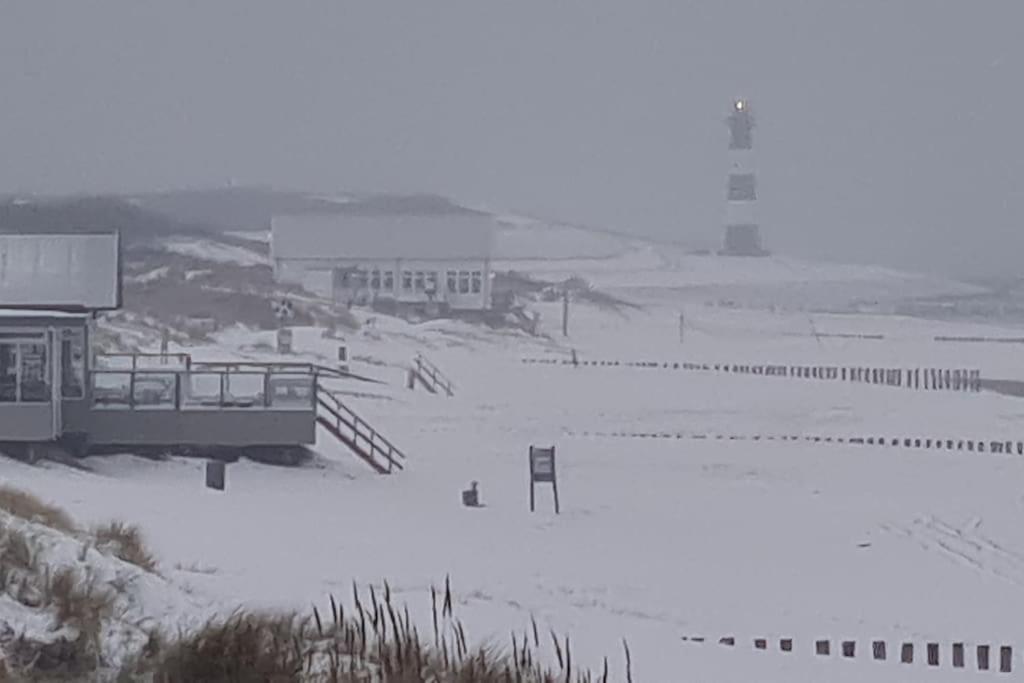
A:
[997, 446]
[959, 653]
[932, 379]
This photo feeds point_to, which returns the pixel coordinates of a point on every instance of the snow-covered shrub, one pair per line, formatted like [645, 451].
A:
[125, 542]
[32, 509]
[376, 642]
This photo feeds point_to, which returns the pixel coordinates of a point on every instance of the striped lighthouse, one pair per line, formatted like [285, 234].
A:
[742, 234]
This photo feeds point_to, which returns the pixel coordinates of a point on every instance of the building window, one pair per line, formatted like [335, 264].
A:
[389, 280]
[453, 281]
[35, 376]
[407, 280]
[72, 371]
[8, 373]
[361, 279]
[463, 282]
[477, 281]
[431, 287]
[24, 372]
[375, 279]
[420, 281]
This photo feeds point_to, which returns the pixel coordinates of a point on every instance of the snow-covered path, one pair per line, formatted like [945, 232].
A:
[657, 538]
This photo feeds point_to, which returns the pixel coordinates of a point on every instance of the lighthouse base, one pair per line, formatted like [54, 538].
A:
[743, 240]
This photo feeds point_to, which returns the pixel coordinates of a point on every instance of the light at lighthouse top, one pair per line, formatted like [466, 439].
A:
[741, 125]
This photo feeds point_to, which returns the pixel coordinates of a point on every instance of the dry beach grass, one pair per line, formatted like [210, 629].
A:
[372, 640]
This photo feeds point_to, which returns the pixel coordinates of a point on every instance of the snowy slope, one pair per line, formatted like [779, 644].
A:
[637, 269]
[140, 600]
[658, 538]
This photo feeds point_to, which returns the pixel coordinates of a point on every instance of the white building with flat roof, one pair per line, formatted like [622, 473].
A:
[441, 260]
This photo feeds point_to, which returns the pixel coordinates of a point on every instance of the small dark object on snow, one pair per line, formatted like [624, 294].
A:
[215, 474]
[471, 496]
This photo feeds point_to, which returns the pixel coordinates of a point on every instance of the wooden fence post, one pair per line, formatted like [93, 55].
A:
[983, 651]
[958, 655]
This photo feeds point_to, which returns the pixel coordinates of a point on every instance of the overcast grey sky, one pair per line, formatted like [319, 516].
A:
[888, 129]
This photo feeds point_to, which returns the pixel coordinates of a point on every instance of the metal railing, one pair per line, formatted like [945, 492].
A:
[155, 389]
[432, 374]
[183, 361]
[271, 366]
[140, 361]
[364, 438]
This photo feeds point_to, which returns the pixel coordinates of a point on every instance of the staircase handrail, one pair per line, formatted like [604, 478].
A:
[430, 371]
[378, 442]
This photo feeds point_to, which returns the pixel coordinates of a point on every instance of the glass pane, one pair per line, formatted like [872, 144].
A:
[243, 390]
[35, 373]
[114, 361]
[8, 372]
[154, 390]
[111, 389]
[291, 391]
[72, 371]
[200, 390]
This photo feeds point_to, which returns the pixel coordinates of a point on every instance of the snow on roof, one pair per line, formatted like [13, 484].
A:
[435, 237]
[66, 270]
[40, 313]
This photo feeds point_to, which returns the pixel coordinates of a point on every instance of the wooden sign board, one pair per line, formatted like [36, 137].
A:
[542, 470]
[543, 464]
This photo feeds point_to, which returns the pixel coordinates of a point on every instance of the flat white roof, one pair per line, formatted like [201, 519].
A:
[39, 313]
[60, 271]
[392, 236]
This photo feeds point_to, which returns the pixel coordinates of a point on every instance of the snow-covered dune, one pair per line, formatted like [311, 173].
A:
[658, 538]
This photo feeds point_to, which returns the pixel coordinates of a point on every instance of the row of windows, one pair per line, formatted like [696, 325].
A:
[373, 279]
[25, 367]
[457, 281]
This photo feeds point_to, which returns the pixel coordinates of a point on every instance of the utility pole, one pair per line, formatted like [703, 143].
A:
[165, 344]
[565, 312]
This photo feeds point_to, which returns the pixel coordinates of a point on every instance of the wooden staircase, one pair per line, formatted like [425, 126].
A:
[364, 441]
[430, 377]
